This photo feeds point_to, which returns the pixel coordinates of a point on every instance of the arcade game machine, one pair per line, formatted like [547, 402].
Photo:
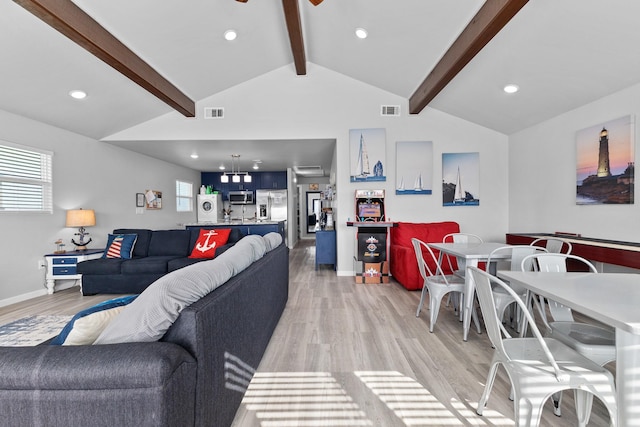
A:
[371, 265]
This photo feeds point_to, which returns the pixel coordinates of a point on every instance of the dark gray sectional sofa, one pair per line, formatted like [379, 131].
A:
[180, 380]
[156, 253]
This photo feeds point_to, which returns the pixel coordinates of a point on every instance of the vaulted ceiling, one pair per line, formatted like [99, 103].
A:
[561, 54]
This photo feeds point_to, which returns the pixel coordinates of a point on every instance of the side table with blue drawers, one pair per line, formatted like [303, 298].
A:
[63, 266]
[326, 247]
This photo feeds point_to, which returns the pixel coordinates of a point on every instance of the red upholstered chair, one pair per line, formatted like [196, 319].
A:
[402, 258]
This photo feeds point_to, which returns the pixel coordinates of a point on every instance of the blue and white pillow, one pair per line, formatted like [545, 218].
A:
[87, 325]
[120, 246]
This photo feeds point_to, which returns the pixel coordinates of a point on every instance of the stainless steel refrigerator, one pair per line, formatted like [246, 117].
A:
[271, 205]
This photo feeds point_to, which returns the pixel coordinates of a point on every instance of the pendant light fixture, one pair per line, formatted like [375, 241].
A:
[235, 171]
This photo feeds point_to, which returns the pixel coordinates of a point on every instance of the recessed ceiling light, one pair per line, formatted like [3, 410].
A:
[78, 94]
[221, 167]
[194, 156]
[255, 166]
[230, 35]
[361, 33]
[511, 88]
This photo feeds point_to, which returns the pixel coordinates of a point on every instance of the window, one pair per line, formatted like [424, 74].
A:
[184, 196]
[25, 179]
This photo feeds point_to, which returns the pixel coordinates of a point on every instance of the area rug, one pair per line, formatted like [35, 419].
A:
[31, 330]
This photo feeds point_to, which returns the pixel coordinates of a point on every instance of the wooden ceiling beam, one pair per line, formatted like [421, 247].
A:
[294, 26]
[73, 22]
[488, 22]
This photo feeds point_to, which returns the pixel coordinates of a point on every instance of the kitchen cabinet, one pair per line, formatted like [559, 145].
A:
[259, 181]
[273, 180]
[326, 247]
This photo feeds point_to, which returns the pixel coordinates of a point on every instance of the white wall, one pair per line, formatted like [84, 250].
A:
[86, 174]
[542, 175]
[325, 104]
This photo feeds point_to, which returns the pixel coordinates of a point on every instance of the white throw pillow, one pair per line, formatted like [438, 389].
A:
[87, 325]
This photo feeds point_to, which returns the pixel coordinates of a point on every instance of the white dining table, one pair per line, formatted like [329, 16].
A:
[611, 298]
[472, 253]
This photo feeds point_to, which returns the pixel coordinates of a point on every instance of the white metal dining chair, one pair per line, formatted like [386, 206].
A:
[503, 299]
[539, 367]
[554, 245]
[437, 285]
[593, 341]
[459, 268]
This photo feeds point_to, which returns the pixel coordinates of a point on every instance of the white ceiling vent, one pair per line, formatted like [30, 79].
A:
[213, 112]
[390, 110]
[309, 170]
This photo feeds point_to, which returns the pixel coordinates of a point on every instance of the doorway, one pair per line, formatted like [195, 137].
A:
[314, 206]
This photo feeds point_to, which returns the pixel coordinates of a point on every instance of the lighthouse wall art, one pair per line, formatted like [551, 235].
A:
[367, 148]
[605, 167]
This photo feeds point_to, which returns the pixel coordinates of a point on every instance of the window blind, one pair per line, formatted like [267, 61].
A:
[184, 196]
[25, 179]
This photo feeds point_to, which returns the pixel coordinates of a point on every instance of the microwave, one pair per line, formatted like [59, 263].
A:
[241, 198]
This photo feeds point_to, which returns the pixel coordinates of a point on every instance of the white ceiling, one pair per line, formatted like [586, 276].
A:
[562, 54]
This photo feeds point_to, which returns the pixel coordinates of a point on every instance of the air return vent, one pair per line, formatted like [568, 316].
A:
[213, 113]
[390, 110]
[309, 170]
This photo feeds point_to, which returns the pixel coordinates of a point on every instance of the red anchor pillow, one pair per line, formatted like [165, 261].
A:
[208, 241]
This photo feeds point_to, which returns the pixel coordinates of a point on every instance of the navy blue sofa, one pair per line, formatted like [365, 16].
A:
[185, 379]
[156, 253]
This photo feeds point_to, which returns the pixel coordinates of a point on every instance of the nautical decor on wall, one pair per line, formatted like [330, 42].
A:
[153, 199]
[414, 167]
[367, 155]
[605, 163]
[460, 179]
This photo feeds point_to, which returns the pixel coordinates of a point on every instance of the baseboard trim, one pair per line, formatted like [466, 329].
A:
[22, 297]
[66, 284]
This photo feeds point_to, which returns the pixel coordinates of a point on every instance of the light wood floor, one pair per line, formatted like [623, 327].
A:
[347, 354]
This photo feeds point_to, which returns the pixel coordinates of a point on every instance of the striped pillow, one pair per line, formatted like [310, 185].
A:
[120, 246]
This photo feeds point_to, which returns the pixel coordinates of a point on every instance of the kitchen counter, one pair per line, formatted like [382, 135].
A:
[234, 222]
[246, 227]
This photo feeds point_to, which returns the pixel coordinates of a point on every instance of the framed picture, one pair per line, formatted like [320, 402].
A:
[414, 167]
[605, 163]
[314, 187]
[460, 179]
[367, 155]
[153, 199]
[139, 200]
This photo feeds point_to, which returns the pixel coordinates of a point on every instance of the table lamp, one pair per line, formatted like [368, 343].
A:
[81, 218]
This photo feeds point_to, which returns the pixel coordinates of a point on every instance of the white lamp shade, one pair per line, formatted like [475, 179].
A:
[236, 178]
[81, 218]
[247, 178]
[224, 178]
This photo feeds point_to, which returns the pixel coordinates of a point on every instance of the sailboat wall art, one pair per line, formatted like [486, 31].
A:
[414, 167]
[367, 155]
[460, 179]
